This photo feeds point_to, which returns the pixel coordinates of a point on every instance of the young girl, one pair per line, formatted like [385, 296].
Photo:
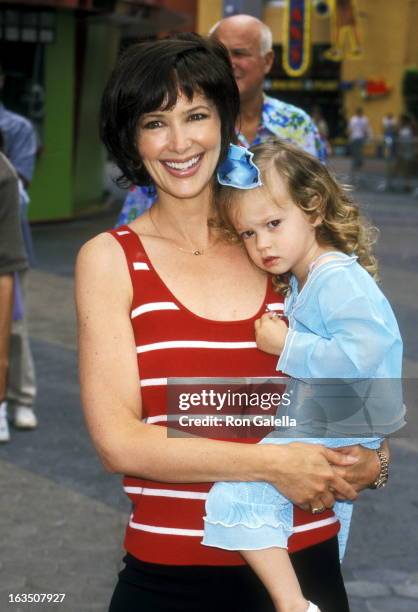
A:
[301, 226]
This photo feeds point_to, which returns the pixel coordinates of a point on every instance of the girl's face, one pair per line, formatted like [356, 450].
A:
[278, 235]
[180, 147]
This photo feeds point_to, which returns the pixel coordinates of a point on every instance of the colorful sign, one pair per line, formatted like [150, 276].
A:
[297, 37]
[375, 88]
[345, 36]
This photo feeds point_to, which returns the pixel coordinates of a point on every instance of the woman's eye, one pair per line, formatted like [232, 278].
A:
[152, 125]
[274, 223]
[246, 235]
[198, 117]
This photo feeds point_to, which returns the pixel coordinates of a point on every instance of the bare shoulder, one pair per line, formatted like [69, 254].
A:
[101, 264]
[102, 250]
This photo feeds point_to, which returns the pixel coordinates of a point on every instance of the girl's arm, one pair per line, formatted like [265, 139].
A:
[111, 397]
[358, 331]
[355, 347]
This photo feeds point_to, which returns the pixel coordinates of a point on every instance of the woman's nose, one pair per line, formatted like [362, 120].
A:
[179, 139]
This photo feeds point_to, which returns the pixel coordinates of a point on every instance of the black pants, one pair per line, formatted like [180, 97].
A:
[146, 587]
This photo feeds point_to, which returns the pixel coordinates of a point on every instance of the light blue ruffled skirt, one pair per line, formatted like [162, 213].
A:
[255, 515]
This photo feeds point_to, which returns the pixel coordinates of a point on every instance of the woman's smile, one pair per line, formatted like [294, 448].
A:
[183, 168]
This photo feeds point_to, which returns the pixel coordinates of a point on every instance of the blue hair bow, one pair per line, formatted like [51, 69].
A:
[238, 170]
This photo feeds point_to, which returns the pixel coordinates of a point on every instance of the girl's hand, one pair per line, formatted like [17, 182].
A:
[270, 333]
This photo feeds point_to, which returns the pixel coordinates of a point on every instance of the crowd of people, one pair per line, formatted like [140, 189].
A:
[400, 149]
[397, 144]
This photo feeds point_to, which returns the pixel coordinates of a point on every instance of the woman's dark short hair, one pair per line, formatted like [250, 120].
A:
[149, 76]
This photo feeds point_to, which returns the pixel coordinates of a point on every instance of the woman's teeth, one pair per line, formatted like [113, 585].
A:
[183, 165]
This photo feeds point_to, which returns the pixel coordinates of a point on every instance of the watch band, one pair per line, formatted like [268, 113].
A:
[383, 476]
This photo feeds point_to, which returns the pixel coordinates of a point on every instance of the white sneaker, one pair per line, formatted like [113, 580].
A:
[4, 425]
[24, 418]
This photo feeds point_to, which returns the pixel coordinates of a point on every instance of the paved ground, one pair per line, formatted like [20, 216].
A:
[62, 516]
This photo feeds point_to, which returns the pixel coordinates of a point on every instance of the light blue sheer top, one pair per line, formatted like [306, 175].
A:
[339, 304]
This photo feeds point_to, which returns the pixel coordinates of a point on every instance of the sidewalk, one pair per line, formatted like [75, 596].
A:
[62, 516]
[375, 176]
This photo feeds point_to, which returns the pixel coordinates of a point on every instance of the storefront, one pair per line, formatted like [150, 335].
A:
[55, 66]
[57, 56]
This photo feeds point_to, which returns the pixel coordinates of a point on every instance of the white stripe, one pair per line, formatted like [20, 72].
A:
[199, 532]
[315, 525]
[155, 419]
[123, 233]
[140, 265]
[167, 530]
[166, 493]
[157, 382]
[194, 344]
[275, 306]
[153, 382]
[151, 306]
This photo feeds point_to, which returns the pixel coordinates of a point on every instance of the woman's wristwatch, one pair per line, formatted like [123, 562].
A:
[383, 476]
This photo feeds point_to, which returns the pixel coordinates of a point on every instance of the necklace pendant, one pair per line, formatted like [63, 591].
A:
[197, 252]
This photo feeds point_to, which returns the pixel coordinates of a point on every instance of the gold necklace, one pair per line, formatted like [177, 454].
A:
[195, 252]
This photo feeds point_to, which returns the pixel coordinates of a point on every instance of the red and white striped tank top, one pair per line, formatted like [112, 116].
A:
[166, 524]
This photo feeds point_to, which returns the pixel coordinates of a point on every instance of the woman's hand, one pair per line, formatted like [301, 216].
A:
[306, 473]
[361, 474]
[270, 333]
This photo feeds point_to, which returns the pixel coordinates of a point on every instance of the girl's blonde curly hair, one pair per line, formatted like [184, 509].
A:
[317, 193]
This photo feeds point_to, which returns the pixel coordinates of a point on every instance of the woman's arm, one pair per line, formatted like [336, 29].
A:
[367, 469]
[111, 397]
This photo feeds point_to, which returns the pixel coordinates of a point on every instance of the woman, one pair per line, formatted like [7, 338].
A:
[168, 296]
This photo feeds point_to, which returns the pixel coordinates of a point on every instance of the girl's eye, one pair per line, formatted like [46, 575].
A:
[246, 235]
[274, 223]
[152, 125]
[198, 117]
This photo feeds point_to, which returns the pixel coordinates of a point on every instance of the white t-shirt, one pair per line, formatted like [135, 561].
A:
[359, 127]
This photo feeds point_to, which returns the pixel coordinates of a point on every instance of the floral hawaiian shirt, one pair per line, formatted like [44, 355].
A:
[277, 119]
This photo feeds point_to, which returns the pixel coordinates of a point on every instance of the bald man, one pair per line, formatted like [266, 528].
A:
[249, 43]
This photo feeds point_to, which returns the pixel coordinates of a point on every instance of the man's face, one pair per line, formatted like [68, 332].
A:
[250, 67]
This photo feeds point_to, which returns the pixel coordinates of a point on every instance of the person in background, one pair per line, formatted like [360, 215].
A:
[322, 126]
[359, 132]
[405, 150]
[12, 261]
[249, 44]
[20, 147]
[387, 149]
[389, 130]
